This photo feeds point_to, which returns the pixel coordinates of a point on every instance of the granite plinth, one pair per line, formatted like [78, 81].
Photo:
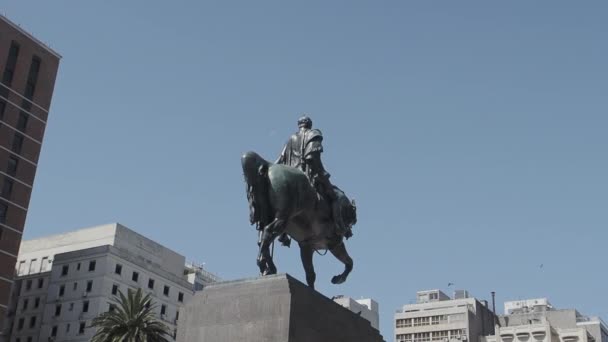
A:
[275, 308]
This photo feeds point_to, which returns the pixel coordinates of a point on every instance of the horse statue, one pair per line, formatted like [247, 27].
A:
[283, 200]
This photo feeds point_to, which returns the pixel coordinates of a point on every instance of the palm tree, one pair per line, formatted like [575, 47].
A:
[132, 320]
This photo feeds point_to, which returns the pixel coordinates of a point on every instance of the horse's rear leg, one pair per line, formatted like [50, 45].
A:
[271, 231]
[341, 254]
[306, 254]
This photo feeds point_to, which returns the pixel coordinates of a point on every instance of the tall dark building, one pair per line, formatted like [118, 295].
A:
[27, 77]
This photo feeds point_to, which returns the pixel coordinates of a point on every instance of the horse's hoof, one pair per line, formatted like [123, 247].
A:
[337, 279]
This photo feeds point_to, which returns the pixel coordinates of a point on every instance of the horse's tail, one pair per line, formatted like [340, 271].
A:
[255, 171]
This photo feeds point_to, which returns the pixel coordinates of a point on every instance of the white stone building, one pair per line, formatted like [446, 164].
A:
[366, 308]
[66, 280]
[437, 317]
[535, 320]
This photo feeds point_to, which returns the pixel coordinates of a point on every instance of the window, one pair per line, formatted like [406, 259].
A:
[32, 321]
[17, 339]
[3, 210]
[404, 323]
[92, 265]
[78, 267]
[17, 143]
[71, 308]
[13, 163]
[32, 77]
[20, 323]
[118, 269]
[7, 188]
[89, 286]
[67, 328]
[114, 289]
[28, 285]
[176, 315]
[440, 336]
[44, 263]
[163, 309]
[40, 282]
[11, 63]
[25, 303]
[64, 270]
[29, 339]
[54, 331]
[57, 309]
[135, 276]
[75, 286]
[180, 297]
[33, 266]
[112, 308]
[1, 233]
[151, 283]
[81, 329]
[37, 303]
[85, 306]
[457, 317]
[61, 290]
[2, 108]
[22, 121]
[166, 290]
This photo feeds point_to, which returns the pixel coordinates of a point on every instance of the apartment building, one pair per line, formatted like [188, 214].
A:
[65, 281]
[536, 320]
[437, 317]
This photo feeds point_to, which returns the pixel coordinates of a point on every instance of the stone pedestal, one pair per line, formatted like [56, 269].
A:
[275, 308]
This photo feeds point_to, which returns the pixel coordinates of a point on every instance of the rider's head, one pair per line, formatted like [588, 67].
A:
[305, 122]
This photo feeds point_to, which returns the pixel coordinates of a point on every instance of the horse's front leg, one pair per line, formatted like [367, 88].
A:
[306, 254]
[271, 231]
[341, 254]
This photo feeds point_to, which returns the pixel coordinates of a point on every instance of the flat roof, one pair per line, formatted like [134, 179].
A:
[30, 36]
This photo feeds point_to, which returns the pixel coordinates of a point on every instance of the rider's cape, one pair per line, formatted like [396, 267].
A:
[300, 146]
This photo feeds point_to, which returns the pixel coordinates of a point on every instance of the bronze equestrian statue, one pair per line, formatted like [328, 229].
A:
[294, 198]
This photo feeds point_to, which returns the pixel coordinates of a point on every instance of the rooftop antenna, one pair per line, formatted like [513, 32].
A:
[494, 307]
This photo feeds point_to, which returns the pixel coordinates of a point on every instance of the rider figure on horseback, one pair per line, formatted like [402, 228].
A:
[303, 151]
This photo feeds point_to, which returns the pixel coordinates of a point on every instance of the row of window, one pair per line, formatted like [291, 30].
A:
[25, 305]
[444, 335]
[81, 329]
[29, 339]
[34, 267]
[62, 287]
[29, 284]
[21, 323]
[11, 65]
[429, 320]
[85, 308]
[151, 283]
[65, 269]
[163, 307]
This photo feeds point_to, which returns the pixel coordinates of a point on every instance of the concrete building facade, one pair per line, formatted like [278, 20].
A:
[66, 280]
[437, 317]
[536, 320]
[28, 69]
[366, 308]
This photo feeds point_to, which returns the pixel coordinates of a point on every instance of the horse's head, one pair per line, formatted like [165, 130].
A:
[253, 166]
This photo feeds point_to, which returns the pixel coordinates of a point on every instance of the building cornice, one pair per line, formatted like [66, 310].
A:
[30, 36]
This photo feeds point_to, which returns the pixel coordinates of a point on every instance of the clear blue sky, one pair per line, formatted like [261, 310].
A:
[472, 134]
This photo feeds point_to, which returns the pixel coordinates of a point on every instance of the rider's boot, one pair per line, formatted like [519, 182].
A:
[285, 240]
